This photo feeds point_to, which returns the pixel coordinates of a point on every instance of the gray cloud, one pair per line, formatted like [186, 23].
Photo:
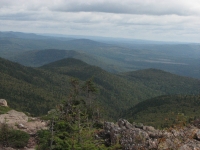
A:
[145, 19]
[154, 7]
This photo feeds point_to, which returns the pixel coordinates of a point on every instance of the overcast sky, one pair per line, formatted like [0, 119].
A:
[166, 20]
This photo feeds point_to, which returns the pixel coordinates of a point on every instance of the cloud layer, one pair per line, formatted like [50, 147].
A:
[144, 19]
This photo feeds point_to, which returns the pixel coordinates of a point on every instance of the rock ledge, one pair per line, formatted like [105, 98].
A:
[134, 137]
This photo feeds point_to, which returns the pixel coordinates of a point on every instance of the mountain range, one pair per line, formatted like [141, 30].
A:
[78, 84]
[119, 56]
[37, 90]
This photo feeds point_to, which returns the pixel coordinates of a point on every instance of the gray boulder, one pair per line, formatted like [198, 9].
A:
[3, 102]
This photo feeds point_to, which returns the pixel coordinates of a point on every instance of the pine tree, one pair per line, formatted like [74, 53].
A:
[71, 124]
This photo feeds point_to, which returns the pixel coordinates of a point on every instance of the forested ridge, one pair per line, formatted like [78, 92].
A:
[164, 81]
[37, 90]
[165, 111]
[79, 97]
[119, 56]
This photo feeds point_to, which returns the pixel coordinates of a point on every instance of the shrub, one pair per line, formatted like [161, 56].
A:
[43, 139]
[4, 109]
[18, 139]
[13, 138]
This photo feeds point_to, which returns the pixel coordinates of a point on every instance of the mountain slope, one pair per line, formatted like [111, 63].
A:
[163, 111]
[119, 92]
[181, 59]
[29, 89]
[37, 90]
[165, 82]
[37, 58]
[123, 91]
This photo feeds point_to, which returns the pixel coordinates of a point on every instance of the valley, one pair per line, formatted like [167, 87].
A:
[37, 90]
[119, 56]
[149, 83]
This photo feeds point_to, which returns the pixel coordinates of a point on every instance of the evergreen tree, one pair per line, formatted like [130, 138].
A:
[70, 127]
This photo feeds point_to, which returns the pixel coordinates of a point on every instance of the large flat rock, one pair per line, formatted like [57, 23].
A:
[13, 117]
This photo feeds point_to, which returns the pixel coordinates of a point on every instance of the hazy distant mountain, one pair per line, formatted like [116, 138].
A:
[37, 58]
[11, 34]
[119, 56]
[40, 57]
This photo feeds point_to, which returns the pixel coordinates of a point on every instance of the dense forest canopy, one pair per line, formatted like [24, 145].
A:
[165, 111]
[37, 90]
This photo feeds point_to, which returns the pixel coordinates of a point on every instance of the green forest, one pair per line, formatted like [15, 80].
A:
[119, 56]
[37, 90]
[77, 97]
[165, 111]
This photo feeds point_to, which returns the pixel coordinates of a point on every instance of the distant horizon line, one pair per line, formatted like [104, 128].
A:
[105, 38]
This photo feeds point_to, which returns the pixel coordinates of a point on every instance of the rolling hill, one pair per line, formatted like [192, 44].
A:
[115, 91]
[37, 90]
[37, 58]
[29, 89]
[166, 82]
[164, 111]
[121, 56]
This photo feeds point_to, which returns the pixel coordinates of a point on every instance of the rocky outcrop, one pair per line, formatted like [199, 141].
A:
[20, 121]
[3, 102]
[13, 117]
[137, 136]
